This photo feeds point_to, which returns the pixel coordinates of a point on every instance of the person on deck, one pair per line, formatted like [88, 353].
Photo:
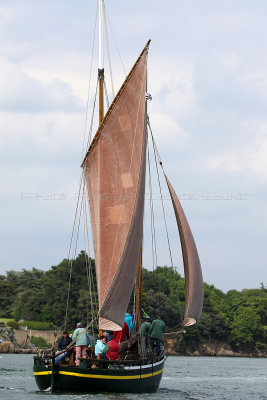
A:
[143, 332]
[123, 334]
[129, 322]
[107, 334]
[114, 348]
[155, 332]
[101, 347]
[64, 341]
[82, 342]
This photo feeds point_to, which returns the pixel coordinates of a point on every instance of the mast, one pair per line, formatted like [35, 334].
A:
[101, 62]
[138, 291]
[101, 72]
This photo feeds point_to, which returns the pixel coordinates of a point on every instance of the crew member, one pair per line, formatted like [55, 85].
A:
[143, 334]
[82, 342]
[155, 332]
[64, 341]
[114, 348]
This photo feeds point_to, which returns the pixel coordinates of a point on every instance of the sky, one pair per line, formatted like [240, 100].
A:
[207, 74]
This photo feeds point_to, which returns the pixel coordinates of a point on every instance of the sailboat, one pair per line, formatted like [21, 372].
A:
[114, 168]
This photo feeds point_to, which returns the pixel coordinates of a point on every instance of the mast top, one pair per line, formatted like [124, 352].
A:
[101, 34]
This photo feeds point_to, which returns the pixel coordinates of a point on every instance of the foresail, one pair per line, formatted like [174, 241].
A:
[115, 174]
[192, 267]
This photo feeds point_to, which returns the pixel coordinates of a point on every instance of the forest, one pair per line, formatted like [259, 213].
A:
[238, 318]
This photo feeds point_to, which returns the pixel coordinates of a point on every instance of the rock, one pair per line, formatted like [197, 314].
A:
[224, 353]
[7, 347]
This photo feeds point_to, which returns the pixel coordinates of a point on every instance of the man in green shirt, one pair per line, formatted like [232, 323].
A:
[143, 334]
[155, 332]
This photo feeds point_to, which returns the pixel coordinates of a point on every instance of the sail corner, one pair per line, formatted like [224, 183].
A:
[190, 321]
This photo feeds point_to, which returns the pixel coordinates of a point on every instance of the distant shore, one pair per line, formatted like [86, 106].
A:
[23, 343]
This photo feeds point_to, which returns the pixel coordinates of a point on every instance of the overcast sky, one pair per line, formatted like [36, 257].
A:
[208, 79]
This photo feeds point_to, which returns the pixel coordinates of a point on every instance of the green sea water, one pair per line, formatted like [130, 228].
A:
[190, 378]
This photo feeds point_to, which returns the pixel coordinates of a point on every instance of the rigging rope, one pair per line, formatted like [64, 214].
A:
[161, 197]
[156, 154]
[92, 117]
[114, 37]
[73, 248]
[86, 256]
[81, 175]
[108, 51]
[106, 93]
[89, 86]
[91, 284]
[152, 219]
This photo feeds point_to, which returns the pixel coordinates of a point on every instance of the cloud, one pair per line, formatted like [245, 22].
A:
[21, 93]
[28, 139]
[247, 158]
[207, 76]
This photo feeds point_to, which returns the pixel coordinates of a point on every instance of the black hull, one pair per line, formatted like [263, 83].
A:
[117, 379]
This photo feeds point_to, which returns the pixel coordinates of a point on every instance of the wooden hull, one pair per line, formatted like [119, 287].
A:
[116, 378]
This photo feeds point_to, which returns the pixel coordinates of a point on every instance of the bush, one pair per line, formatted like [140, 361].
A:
[13, 324]
[40, 342]
[10, 322]
[37, 325]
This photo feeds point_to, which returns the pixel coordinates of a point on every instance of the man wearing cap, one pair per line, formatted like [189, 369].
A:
[82, 341]
[65, 340]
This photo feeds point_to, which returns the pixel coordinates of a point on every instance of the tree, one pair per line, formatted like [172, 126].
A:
[7, 295]
[246, 327]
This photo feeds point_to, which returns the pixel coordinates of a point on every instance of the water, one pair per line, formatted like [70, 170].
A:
[185, 378]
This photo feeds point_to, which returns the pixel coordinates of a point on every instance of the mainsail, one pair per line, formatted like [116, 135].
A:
[114, 168]
[192, 268]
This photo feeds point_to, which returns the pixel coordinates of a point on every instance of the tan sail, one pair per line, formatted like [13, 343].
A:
[114, 167]
[192, 267]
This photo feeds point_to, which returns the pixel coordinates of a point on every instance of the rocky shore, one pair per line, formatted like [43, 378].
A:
[213, 348]
[23, 341]
[20, 342]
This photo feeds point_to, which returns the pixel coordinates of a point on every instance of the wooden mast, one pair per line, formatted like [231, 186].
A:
[138, 291]
[101, 62]
[101, 75]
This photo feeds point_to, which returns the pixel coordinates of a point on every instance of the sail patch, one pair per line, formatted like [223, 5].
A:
[127, 180]
[125, 123]
[118, 214]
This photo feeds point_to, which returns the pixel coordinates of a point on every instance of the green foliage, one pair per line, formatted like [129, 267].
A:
[10, 322]
[42, 296]
[7, 294]
[40, 343]
[13, 324]
[159, 304]
[39, 298]
[37, 325]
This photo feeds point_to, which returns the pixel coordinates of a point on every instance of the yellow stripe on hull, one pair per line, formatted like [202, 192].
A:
[110, 376]
[101, 376]
[43, 373]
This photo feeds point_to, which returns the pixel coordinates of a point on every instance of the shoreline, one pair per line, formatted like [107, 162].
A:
[32, 352]
[22, 342]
